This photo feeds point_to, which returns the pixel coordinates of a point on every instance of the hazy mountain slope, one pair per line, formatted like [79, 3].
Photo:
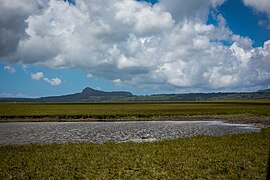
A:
[92, 95]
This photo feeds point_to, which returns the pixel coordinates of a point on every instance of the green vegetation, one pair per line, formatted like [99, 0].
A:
[242, 156]
[132, 110]
[228, 157]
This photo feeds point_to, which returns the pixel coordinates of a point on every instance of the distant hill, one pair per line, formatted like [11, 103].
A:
[87, 95]
[92, 95]
[264, 91]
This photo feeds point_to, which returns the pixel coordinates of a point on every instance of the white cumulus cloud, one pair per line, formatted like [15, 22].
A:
[37, 76]
[10, 69]
[54, 81]
[166, 45]
[117, 81]
[40, 76]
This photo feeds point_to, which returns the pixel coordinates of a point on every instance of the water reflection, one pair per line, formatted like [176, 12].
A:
[99, 132]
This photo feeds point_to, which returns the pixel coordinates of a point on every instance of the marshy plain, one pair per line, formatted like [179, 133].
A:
[235, 156]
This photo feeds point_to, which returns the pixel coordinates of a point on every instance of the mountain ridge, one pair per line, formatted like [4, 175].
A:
[92, 95]
[85, 95]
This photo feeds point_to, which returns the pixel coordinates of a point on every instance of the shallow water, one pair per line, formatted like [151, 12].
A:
[100, 132]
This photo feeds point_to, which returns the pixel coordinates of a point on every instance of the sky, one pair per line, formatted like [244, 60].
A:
[56, 47]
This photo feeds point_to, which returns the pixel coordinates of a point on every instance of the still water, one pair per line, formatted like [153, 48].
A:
[100, 132]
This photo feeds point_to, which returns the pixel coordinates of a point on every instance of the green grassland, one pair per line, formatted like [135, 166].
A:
[242, 156]
[132, 110]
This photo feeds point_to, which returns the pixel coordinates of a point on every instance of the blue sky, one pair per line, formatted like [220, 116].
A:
[244, 21]
[167, 47]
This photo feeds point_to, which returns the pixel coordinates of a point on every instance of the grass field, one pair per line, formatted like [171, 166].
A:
[132, 110]
[242, 156]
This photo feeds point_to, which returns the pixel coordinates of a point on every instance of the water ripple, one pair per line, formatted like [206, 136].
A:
[100, 132]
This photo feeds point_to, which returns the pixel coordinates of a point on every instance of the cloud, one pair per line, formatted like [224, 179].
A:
[54, 81]
[264, 23]
[37, 76]
[10, 95]
[5, 95]
[40, 76]
[181, 9]
[168, 45]
[260, 6]
[117, 81]
[18, 95]
[10, 69]
[13, 15]
[89, 75]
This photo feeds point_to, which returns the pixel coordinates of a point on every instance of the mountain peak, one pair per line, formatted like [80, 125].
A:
[92, 92]
[88, 90]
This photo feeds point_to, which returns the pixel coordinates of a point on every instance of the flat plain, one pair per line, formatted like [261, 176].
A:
[132, 110]
[241, 156]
